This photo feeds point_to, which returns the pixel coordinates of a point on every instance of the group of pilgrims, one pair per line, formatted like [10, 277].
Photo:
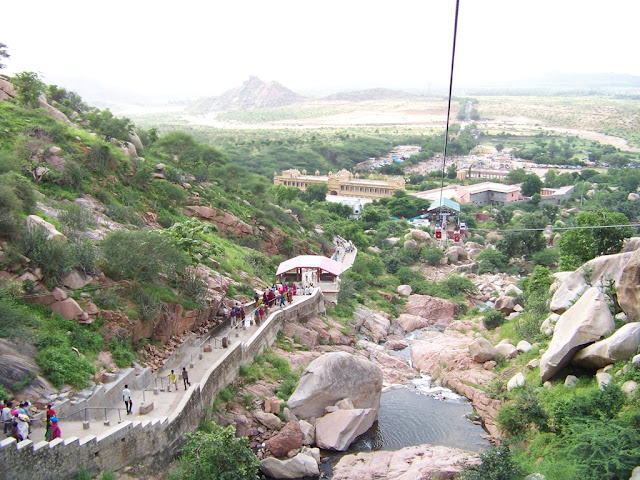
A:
[278, 295]
[17, 421]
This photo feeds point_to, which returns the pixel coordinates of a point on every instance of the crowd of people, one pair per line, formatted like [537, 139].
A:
[17, 421]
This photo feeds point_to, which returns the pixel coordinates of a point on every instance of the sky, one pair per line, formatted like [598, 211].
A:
[189, 49]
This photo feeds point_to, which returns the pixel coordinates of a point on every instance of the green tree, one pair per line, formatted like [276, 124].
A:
[29, 88]
[105, 123]
[285, 194]
[216, 454]
[531, 185]
[581, 245]
[503, 216]
[526, 236]
[551, 179]
[490, 260]
[372, 216]
[3, 54]
[315, 192]
[516, 176]
[452, 171]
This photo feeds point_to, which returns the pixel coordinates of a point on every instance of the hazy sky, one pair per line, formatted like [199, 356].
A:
[199, 48]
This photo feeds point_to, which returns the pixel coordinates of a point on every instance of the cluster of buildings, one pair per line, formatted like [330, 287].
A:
[492, 193]
[398, 155]
[343, 183]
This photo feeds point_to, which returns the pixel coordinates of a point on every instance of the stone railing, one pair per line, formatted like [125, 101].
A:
[156, 440]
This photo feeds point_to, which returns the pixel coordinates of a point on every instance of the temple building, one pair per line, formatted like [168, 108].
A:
[342, 183]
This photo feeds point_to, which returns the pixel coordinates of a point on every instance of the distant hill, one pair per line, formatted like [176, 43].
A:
[369, 94]
[253, 93]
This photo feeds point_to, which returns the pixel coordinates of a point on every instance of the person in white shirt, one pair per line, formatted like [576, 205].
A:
[126, 396]
[6, 417]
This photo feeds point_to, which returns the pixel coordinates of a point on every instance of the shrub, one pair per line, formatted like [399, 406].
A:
[497, 464]
[121, 214]
[527, 325]
[76, 217]
[122, 352]
[86, 340]
[85, 256]
[16, 196]
[16, 321]
[457, 285]
[53, 256]
[101, 158]
[107, 299]
[141, 255]
[432, 256]
[407, 276]
[493, 319]
[72, 176]
[62, 365]
[491, 261]
[526, 410]
[546, 258]
[597, 405]
[216, 455]
[604, 450]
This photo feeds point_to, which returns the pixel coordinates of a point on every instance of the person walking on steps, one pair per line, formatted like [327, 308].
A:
[173, 379]
[185, 378]
[126, 396]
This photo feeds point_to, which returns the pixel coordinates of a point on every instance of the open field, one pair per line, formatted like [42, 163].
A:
[604, 119]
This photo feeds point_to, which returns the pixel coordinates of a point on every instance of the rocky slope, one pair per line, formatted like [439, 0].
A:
[253, 93]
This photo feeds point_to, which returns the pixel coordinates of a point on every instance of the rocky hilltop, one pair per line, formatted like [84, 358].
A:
[253, 93]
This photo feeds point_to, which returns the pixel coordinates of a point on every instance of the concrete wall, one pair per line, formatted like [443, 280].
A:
[156, 440]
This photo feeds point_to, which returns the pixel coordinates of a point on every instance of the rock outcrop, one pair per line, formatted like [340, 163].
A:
[409, 463]
[34, 221]
[287, 439]
[481, 350]
[435, 311]
[224, 220]
[587, 321]
[331, 378]
[337, 430]
[569, 286]
[620, 346]
[372, 323]
[300, 466]
[628, 288]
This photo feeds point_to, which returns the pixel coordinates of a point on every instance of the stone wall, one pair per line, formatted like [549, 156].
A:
[156, 440]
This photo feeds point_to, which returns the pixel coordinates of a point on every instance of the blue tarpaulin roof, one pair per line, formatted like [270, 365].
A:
[444, 202]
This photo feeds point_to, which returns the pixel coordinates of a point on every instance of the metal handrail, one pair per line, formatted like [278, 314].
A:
[198, 349]
[85, 409]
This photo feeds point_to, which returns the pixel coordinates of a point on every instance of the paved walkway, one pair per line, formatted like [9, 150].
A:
[165, 403]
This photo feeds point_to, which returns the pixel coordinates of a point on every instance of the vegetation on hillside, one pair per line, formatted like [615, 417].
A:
[582, 433]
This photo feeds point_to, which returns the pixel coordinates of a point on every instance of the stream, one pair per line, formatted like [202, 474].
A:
[414, 414]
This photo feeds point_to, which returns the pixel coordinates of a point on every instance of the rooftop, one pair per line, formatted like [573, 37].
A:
[310, 261]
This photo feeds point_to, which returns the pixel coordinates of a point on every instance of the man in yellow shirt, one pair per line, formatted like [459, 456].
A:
[173, 378]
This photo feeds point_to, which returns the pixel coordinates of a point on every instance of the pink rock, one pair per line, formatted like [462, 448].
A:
[437, 310]
[59, 294]
[418, 462]
[289, 438]
[68, 308]
[337, 430]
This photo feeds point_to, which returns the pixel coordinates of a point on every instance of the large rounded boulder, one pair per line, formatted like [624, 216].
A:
[586, 322]
[331, 378]
[628, 290]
